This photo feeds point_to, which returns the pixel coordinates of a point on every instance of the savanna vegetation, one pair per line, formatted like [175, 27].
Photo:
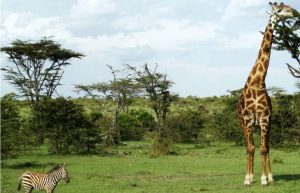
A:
[83, 126]
[114, 135]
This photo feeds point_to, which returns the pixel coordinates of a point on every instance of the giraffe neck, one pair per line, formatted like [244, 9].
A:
[260, 68]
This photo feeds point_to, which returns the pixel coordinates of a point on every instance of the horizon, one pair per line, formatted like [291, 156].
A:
[204, 46]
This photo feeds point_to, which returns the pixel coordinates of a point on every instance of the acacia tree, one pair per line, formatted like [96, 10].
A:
[119, 90]
[156, 87]
[287, 37]
[37, 68]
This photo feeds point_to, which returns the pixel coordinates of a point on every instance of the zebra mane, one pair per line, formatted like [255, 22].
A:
[55, 168]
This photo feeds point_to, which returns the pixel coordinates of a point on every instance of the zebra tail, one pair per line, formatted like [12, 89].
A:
[19, 185]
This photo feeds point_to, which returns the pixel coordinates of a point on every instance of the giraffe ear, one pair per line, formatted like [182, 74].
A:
[270, 3]
[281, 4]
[275, 3]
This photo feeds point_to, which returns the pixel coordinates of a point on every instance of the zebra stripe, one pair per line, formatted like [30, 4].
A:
[40, 181]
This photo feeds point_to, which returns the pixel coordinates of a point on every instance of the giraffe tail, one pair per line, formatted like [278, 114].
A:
[19, 185]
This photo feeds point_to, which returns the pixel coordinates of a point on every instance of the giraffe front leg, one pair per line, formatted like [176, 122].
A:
[250, 156]
[270, 176]
[263, 173]
[252, 165]
[264, 150]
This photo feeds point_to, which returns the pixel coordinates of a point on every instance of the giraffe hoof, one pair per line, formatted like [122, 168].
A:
[251, 178]
[247, 181]
[264, 180]
[247, 184]
[270, 177]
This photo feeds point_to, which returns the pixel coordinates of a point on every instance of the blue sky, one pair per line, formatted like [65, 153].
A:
[205, 46]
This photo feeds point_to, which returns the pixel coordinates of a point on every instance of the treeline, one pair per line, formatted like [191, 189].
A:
[79, 126]
[136, 104]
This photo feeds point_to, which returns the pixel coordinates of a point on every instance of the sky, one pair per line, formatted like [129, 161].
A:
[206, 47]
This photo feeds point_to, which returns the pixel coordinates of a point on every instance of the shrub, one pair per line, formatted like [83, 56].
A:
[134, 124]
[10, 127]
[62, 120]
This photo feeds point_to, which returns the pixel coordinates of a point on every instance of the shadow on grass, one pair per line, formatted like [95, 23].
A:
[287, 177]
[24, 165]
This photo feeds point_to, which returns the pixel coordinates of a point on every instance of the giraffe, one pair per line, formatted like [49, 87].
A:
[254, 105]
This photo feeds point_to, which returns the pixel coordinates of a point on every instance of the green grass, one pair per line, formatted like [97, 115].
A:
[217, 168]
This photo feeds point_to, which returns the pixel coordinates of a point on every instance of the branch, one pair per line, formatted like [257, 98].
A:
[293, 71]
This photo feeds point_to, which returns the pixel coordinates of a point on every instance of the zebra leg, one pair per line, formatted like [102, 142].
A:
[50, 190]
[29, 190]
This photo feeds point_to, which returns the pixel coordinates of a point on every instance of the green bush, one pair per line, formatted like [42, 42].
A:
[62, 120]
[224, 122]
[89, 135]
[10, 127]
[285, 130]
[134, 124]
[187, 124]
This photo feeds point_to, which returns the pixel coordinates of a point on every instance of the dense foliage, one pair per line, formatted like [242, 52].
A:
[135, 123]
[287, 38]
[10, 127]
[74, 126]
[62, 121]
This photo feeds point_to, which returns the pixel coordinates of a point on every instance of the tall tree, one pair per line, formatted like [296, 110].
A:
[37, 68]
[120, 90]
[287, 37]
[157, 88]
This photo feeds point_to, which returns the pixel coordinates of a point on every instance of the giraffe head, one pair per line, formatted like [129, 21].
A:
[281, 11]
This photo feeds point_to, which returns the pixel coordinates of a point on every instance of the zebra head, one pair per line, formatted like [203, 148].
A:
[64, 174]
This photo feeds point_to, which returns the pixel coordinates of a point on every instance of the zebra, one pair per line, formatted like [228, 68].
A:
[43, 181]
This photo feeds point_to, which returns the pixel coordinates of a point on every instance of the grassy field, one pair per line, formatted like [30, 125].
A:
[217, 168]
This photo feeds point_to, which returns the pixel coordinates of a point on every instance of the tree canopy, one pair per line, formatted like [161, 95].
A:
[37, 66]
[287, 37]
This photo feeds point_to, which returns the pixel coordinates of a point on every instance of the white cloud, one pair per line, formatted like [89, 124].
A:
[134, 23]
[171, 35]
[244, 40]
[87, 8]
[27, 26]
[238, 8]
